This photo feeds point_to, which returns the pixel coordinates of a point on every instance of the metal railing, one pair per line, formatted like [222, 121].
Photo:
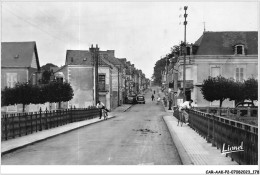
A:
[227, 133]
[20, 124]
[246, 114]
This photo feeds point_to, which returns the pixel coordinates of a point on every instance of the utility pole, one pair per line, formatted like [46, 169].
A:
[95, 57]
[184, 57]
[166, 75]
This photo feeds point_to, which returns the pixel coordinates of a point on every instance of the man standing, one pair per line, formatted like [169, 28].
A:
[183, 107]
[152, 97]
[100, 106]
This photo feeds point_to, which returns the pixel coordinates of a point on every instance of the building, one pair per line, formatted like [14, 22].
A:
[79, 72]
[229, 54]
[116, 74]
[19, 63]
[124, 79]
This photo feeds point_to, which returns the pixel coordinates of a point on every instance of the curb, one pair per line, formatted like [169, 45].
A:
[47, 137]
[185, 158]
[128, 108]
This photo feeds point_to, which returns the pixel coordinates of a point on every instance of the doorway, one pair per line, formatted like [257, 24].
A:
[188, 94]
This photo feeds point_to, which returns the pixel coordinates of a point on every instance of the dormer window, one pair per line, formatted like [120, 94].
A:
[239, 50]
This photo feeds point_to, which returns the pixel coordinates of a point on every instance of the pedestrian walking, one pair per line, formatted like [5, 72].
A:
[182, 109]
[100, 106]
[152, 97]
[154, 92]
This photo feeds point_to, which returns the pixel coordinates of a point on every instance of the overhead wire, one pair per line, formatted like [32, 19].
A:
[32, 24]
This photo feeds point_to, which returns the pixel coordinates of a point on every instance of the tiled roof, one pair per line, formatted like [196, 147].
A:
[18, 54]
[81, 57]
[78, 57]
[109, 55]
[222, 43]
[106, 55]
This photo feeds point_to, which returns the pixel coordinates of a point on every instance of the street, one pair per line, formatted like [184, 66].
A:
[138, 136]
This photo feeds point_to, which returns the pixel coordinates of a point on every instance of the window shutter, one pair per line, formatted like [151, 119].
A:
[241, 74]
[237, 74]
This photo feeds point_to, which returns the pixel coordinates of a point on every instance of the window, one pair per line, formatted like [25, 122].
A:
[239, 50]
[188, 72]
[215, 71]
[102, 82]
[239, 73]
[11, 79]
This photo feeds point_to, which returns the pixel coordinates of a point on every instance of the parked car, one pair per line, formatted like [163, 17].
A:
[131, 99]
[242, 106]
[140, 99]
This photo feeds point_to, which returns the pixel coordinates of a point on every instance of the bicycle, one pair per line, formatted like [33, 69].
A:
[181, 118]
[104, 114]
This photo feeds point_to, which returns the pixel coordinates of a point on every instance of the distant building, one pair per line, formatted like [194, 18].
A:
[79, 72]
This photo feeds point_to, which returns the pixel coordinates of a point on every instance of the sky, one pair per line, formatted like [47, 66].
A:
[141, 32]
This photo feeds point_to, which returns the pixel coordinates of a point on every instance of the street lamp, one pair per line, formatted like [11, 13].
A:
[184, 57]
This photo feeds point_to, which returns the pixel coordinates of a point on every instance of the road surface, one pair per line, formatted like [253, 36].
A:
[138, 136]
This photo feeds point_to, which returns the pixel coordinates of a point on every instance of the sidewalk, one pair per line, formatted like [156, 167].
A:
[193, 149]
[19, 142]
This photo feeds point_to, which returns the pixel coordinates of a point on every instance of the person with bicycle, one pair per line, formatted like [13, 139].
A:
[158, 100]
[100, 106]
[182, 110]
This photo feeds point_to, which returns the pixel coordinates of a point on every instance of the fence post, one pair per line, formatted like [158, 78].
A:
[228, 112]
[40, 119]
[36, 121]
[71, 119]
[208, 136]
[26, 119]
[31, 123]
[218, 111]
[6, 133]
[248, 112]
[238, 113]
[46, 118]
[13, 125]
[213, 129]
[57, 118]
[19, 123]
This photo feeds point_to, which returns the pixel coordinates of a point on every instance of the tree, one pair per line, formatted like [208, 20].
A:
[57, 92]
[160, 64]
[236, 91]
[8, 96]
[25, 93]
[251, 89]
[22, 93]
[216, 88]
[48, 66]
[158, 68]
[46, 76]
